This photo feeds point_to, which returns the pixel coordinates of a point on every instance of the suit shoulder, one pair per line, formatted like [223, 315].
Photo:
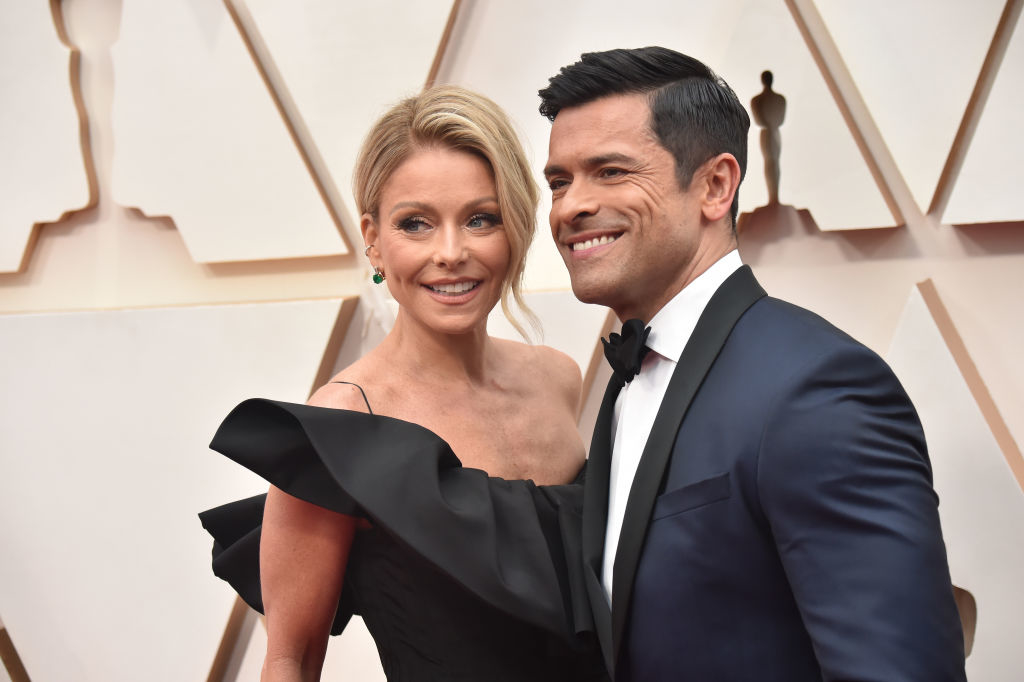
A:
[781, 342]
[800, 326]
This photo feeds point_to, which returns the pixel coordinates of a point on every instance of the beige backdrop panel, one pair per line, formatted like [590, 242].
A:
[105, 570]
[900, 72]
[344, 63]
[988, 187]
[41, 170]
[198, 138]
[981, 504]
[822, 170]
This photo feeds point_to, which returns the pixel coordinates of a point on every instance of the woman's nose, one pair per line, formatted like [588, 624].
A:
[450, 247]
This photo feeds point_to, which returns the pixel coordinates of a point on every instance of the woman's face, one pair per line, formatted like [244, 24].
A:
[440, 239]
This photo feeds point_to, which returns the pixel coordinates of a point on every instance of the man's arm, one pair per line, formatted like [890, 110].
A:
[846, 486]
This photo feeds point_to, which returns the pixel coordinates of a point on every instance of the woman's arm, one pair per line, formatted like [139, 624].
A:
[303, 552]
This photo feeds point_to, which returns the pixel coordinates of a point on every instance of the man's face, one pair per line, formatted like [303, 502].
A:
[629, 235]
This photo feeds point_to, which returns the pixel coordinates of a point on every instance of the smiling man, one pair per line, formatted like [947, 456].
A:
[759, 503]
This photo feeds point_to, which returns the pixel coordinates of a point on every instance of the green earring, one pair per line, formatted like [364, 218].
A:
[378, 275]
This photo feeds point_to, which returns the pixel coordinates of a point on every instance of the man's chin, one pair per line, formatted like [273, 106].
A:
[591, 292]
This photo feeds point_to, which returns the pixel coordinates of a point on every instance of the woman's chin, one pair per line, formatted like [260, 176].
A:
[458, 327]
[447, 323]
[451, 318]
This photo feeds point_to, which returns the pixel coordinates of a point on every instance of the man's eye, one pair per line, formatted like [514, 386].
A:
[484, 220]
[612, 172]
[557, 183]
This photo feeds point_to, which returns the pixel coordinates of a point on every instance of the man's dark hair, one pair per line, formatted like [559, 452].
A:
[694, 113]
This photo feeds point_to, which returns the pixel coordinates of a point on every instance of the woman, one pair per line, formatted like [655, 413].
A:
[458, 576]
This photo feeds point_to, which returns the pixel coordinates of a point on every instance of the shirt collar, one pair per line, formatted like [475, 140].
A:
[672, 326]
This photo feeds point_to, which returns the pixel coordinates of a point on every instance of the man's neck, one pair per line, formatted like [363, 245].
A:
[700, 264]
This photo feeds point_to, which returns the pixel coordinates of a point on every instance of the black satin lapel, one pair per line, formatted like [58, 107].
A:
[602, 616]
[595, 516]
[595, 498]
[725, 308]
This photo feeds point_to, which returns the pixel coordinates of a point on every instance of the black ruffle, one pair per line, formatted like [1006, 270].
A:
[512, 543]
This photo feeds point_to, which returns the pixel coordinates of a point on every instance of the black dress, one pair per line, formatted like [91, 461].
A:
[459, 577]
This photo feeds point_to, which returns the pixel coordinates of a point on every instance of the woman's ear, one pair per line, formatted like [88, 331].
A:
[368, 226]
[722, 179]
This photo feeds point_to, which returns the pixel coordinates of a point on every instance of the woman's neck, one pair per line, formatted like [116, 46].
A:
[438, 357]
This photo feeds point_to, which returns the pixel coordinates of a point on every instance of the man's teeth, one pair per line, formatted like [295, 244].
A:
[457, 288]
[591, 243]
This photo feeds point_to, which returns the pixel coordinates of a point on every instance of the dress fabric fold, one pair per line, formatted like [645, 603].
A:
[507, 547]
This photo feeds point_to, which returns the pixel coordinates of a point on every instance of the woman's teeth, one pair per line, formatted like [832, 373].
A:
[453, 289]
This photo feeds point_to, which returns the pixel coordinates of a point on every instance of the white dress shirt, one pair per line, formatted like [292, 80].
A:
[640, 399]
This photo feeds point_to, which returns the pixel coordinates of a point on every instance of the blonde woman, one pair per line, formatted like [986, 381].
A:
[460, 572]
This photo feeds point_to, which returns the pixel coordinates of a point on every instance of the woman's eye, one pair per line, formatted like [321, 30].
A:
[413, 224]
[484, 220]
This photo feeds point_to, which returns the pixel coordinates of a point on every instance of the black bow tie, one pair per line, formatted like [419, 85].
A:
[626, 351]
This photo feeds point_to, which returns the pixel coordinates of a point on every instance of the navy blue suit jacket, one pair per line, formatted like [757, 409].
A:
[782, 524]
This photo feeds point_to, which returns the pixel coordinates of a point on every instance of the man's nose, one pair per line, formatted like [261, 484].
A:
[577, 201]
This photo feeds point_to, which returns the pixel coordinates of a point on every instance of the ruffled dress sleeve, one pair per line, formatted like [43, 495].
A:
[512, 543]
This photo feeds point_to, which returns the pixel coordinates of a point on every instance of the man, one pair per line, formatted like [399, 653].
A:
[758, 500]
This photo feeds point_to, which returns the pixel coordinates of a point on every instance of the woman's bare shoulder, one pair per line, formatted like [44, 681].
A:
[347, 390]
[549, 365]
[339, 395]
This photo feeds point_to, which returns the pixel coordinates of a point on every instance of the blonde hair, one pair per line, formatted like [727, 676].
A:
[453, 117]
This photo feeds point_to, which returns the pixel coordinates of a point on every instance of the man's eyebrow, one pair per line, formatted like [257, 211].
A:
[605, 159]
[552, 170]
[594, 162]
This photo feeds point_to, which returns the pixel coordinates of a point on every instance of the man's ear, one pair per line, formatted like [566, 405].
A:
[721, 178]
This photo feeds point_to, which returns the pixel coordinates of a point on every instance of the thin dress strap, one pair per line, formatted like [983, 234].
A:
[360, 390]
